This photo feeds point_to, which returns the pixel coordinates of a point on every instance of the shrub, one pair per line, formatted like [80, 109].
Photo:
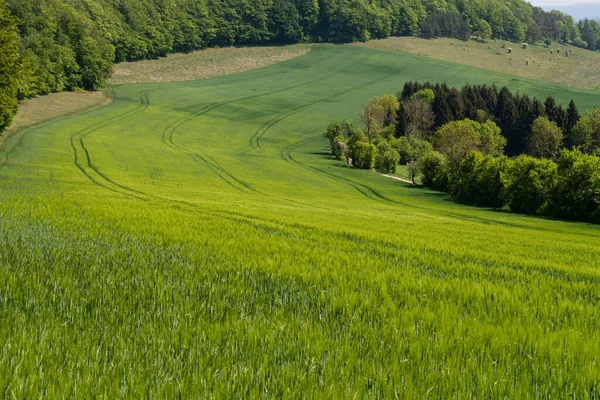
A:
[387, 160]
[529, 184]
[434, 171]
[483, 181]
[334, 133]
[577, 191]
[363, 154]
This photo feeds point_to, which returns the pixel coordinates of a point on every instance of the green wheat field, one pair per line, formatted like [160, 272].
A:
[196, 240]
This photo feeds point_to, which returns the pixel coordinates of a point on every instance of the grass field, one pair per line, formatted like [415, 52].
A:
[195, 240]
[581, 69]
[203, 64]
[42, 109]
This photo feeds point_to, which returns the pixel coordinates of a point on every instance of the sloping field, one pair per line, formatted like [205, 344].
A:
[580, 69]
[194, 239]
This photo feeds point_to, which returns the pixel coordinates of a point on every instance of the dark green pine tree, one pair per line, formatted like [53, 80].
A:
[507, 116]
[560, 117]
[441, 110]
[527, 115]
[550, 106]
[408, 90]
[401, 121]
[456, 104]
[573, 117]
[489, 95]
[539, 110]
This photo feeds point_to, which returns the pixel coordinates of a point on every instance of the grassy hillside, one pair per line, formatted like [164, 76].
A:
[194, 239]
[580, 69]
[203, 64]
[178, 67]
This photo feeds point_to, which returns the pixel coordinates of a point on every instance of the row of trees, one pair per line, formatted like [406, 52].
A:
[515, 114]
[72, 44]
[423, 128]
[568, 187]
[10, 67]
[75, 41]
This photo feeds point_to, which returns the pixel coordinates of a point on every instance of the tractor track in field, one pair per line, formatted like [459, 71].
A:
[213, 165]
[286, 154]
[144, 103]
[77, 139]
[255, 139]
[224, 175]
[369, 192]
[269, 124]
[278, 226]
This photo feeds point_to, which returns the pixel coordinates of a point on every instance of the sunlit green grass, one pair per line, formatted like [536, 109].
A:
[194, 239]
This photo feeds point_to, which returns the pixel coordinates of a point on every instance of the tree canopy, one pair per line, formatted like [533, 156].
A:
[10, 67]
[72, 44]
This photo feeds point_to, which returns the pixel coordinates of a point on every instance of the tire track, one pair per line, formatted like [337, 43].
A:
[76, 141]
[225, 176]
[286, 155]
[269, 124]
[212, 165]
[260, 132]
[144, 103]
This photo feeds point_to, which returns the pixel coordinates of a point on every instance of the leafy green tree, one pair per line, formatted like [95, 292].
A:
[425, 95]
[586, 133]
[334, 135]
[420, 118]
[490, 136]
[434, 170]
[484, 30]
[373, 116]
[577, 191]
[413, 170]
[529, 184]
[387, 158]
[546, 138]
[390, 106]
[482, 181]
[364, 154]
[456, 140]
[10, 67]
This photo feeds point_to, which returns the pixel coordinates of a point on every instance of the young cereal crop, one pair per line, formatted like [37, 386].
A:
[194, 239]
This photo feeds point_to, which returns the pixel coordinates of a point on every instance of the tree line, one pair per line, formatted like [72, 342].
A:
[72, 44]
[484, 146]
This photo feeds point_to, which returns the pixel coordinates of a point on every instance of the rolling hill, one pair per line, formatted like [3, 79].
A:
[196, 239]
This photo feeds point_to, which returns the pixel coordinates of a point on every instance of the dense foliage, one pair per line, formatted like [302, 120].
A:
[459, 140]
[10, 61]
[72, 43]
[566, 188]
[515, 114]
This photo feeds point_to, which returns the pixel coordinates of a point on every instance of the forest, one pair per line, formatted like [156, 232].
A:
[72, 44]
[484, 146]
